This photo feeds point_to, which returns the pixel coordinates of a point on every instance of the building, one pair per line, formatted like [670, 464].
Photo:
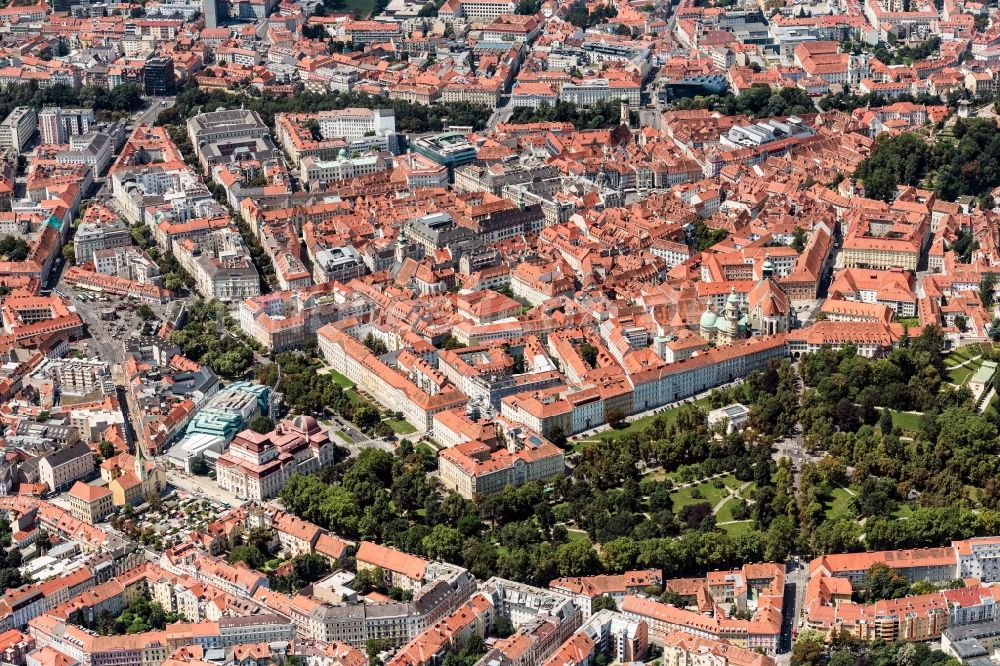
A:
[88, 503]
[586, 589]
[256, 467]
[60, 469]
[412, 386]
[475, 468]
[56, 125]
[449, 149]
[158, 76]
[683, 649]
[18, 127]
[217, 126]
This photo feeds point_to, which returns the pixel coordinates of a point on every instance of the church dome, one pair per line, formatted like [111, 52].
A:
[733, 298]
[708, 319]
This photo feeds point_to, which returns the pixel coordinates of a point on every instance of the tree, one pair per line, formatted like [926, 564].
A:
[589, 354]
[69, 253]
[107, 449]
[376, 345]
[262, 425]
[809, 649]
[961, 323]
[248, 554]
[199, 466]
[987, 289]
[146, 313]
[603, 602]
[799, 239]
[444, 543]
[577, 558]
[616, 417]
[885, 583]
[885, 421]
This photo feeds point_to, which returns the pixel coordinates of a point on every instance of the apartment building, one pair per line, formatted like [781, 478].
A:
[56, 125]
[412, 387]
[18, 127]
[88, 503]
[586, 589]
[93, 236]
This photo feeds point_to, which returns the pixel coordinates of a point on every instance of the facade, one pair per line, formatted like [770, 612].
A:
[56, 125]
[88, 503]
[60, 469]
[474, 468]
[17, 128]
[256, 467]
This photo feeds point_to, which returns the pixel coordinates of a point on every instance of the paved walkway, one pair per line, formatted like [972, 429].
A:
[731, 493]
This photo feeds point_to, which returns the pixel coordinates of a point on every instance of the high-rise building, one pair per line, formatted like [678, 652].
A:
[158, 76]
[18, 127]
[57, 125]
[211, 14]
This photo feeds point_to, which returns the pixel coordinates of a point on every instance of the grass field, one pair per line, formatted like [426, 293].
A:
[344, 436]
[840, 505]
[577, 535]
[960, 376]
[360, 7]
[908, 422]
[962, 354]
[736, 529]
[400, 427]
[670, 415]
[726, 512]
[709, 493]
[343, 381]
[904, 511]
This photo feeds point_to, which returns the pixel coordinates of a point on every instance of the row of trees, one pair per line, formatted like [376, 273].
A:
[599, 116]
[115, 103]
[410, 117]
[757, 101]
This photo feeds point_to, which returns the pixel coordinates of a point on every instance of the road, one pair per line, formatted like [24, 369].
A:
[502, 113]
[148, 115]
[796, 579]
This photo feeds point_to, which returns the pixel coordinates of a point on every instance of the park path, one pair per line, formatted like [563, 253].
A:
[731, 493]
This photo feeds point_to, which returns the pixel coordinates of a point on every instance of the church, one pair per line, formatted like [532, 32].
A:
[132, 478]
[768, 311]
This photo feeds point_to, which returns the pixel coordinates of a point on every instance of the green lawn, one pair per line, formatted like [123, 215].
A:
[960, 376]
[344, 436]
[839, 505]
[726, 512]
[577, 535]
[709, 493]
[400, 427]
[962, 354]
[343, 381]
[908, 422]
[360, 7]
[904, 511]
[736, 529]
[639, 424]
